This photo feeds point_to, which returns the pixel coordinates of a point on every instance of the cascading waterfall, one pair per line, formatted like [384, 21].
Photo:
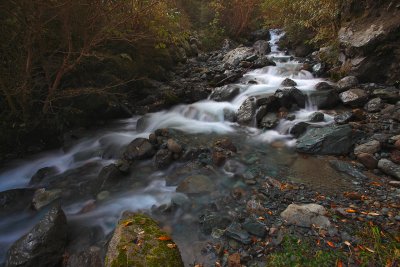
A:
[199, 118]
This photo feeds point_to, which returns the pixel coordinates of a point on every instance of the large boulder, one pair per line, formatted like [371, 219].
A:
[139, 241]
[140, 148]
[306, 215]
[247, 111]
[261, 47]
[347, 83]
[15, 200]
[237, 55]
[225, 93]
[331, 140]
[262, 34]
[44, 245]
[354, 97]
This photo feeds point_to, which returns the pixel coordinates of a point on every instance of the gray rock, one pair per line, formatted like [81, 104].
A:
[370, 147]
[344, 117]
[354, 97]
[306, 215]
[173, 146]
[225, 93]
[90, 257]
[347, 168]
[299, 128]
[43, 197]
[236, 232]
[269, 121]
[235, 56]
[347, 83]
[44, 245]
[261, 47]
[324, 99]
[389, 168]
[317, 117]
[41, 174]
[288, 83]
[262, 34]
[374, 105]
[289, 96]
[214, 220]
[196, 184]
[255, 227]
[331, 140]
[323, 86]
[247, 112]
[140, 148]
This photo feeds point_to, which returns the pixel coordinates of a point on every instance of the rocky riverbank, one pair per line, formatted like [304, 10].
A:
[247, 195]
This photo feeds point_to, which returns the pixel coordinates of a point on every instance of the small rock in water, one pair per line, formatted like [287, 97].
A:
[343, 118]
[368, 160]
[163, 159]
[43, 197]
[374, 105]
[389, 168]
[317, 117]
[196, 184]
[236, 232]
[140, 148]
[347, 83]
[103, 195]
[322, 86]
[42, 174]
[354, 97]
[173, 146]
[288, 83]
[255, 227]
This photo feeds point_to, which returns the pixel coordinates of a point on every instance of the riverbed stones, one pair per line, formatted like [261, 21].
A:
[42, 174]
[374, 105]
[325, 99]
[323, 86]
[163, 159]
[269, 121]
[289, 96]
[354, 97]
[261, 47]
[370, 147]
[173, 146]
[139, 241]
[331, 140]
[389, 168]
[255, 227]
[140, 148]
[368, 160]
[225, 93]
[235, 56]
[306, 215]
[347, 83]
[389, 94]
[15, 200]
[196, 184]
[43, 245]
[247, 111]
[236, 232]
[299, 128]
[317, 117]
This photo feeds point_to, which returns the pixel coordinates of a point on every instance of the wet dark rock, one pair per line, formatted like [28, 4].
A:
[344, 117]
[41, 174]
[236, 232]
[390, 94]
[389, 168]
[306, 215]
[263, 62]
[90, 257]
[270, 102]
[269, 121]
[323, 86]
[255, 227]
[213, 220]
[15, 200]
[331, 140]
[44, 245]
[226, 144]
[43, 197]
[288, 83]
[354, 97]
[370, 147]
[347, 168]
[140, 148]
[317, 117]
[196, 184]
[225, 93]
[374, 105]
[299, 128]
[163, 159]
[218, 158]
[288, 97]
[247, 111]
[347, 83]
[325, 99]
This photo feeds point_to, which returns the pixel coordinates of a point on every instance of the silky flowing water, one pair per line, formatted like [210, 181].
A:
[269, 152]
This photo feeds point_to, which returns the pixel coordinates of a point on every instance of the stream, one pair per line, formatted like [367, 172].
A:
[271, 152]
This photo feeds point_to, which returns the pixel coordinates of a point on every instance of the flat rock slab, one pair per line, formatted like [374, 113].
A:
[306, 215]
[332, 140]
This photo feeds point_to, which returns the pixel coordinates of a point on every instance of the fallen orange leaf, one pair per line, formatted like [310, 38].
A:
[351, 211]
[127, 223]
[339, 263]
[375, 184]
[164, 238]
[330, 244]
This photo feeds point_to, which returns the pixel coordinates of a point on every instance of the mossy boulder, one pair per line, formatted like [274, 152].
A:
[138, 241]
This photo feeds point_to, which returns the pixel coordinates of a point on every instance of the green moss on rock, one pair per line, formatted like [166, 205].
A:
[136, 242]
